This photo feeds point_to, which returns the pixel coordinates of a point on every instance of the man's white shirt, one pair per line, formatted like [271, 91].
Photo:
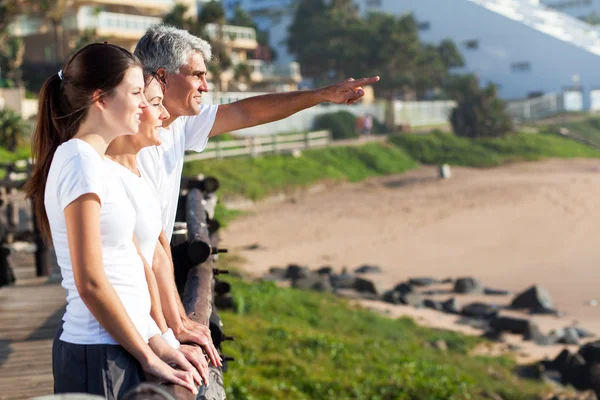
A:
[162, 165]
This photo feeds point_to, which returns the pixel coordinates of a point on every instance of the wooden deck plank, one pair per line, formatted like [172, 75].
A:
[30, 313]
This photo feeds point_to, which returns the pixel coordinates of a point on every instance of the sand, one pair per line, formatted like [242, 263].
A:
[510, 227]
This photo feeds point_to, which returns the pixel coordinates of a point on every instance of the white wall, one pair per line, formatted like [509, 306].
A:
[576, 8]
[502, 42]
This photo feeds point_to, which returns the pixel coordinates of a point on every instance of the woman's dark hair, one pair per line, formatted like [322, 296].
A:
[64, 102]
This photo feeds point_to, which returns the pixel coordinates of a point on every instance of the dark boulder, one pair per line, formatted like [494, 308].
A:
[368, 269]
[468, 285]
[451, 306]
[295, 271]
[366, 286]
[413, 299]
[423, 281]
[509, 324]
[480, 310]
[534, 298]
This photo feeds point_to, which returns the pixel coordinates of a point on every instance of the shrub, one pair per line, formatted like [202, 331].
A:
[479, 113]
[340, 123]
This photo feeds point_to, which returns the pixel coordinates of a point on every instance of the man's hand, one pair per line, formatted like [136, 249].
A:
[195, 355]
[347, 92]
[193, 332]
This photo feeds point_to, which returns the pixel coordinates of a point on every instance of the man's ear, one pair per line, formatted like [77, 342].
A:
[98, 99]
[161, 73]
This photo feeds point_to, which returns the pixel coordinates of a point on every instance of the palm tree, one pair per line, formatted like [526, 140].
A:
[13, 130]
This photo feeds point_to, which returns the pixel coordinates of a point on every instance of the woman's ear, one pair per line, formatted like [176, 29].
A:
[98, 100]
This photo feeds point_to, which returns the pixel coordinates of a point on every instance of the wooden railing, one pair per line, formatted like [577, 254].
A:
[256, 145]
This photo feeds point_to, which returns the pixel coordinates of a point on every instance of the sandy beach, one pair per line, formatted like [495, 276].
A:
[510, 227]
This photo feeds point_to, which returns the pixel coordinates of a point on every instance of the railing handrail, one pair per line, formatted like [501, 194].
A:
[256, 145]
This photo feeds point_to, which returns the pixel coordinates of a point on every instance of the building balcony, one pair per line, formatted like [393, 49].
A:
[158, 5]
[236, 37]
[262, 71]
[117, 25]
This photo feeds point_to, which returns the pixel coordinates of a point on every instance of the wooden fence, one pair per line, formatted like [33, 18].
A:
[256, 145]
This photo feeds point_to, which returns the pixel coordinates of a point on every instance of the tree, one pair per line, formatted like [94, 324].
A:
[54, 12]
[13, 130]
[434, 64]
[479, 113]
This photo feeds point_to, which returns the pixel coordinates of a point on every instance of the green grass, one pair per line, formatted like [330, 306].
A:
[438, 148]
[588, 128]
[292, 344]
[256, 178]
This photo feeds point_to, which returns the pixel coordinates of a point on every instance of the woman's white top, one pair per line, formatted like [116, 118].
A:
[77, 169]
[147, 208]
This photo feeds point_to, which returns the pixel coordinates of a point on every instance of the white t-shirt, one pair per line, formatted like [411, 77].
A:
[144, 199]
[162, 165]
[78, 169]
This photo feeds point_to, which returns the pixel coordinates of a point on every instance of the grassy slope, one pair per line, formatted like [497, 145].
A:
[292, 344]
[257, 178]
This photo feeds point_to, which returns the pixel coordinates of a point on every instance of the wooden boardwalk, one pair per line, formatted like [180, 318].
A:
[30, 313]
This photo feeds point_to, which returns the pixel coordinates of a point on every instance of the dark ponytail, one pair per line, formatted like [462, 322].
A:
[63, 105]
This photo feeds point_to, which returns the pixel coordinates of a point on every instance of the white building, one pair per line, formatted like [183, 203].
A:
[525, 48]
[576, 8]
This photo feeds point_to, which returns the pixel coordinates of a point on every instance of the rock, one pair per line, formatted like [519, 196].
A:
[276, 274]
[561, 362]
[476, 323]
[578, 376]
[392, 297]
[591, 352]
[353, 294]
[314, 282]
[536, 297]
[368, 269]
[451, 306]
[508, 324]
[570, 336]
[480, 310]
[545, 311]
[467, 285]
[422, 281]
[413, 299]
[434, 305]
[403, 288]
[534, 334]
[297, 272]
[327, 270]
[494, 335]
[343, 281]
[365, 285]
[583, 333]
[441, 345]
[447, 280]
[496, 292]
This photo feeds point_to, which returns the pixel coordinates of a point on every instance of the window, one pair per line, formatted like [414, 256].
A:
[424, 26]
[373, 3]
[472, 44]
[522, 66]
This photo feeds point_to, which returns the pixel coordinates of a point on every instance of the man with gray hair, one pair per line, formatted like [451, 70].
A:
[179, 60]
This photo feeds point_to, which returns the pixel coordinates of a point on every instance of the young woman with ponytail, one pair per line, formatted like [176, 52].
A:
[102, 347]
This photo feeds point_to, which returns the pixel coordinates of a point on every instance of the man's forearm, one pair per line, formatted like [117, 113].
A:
[262, 109]
[168, 264]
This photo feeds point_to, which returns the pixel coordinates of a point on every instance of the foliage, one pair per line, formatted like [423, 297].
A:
[255, 178]
[332, 41]
[439, 148]
[13, 130]
[342, 124]
[480, 112]
[242, 72]
[305, 345]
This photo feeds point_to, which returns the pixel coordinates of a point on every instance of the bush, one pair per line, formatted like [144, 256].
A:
[341, 124]
[480, 113]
